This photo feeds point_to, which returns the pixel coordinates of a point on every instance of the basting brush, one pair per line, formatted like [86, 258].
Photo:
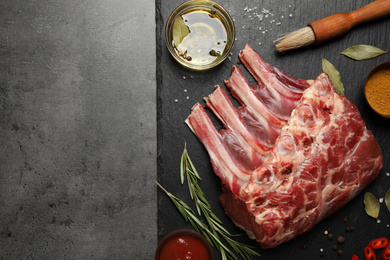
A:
[333, 26]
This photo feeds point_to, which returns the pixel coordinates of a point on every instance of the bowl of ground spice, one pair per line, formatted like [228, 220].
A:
[377, 89]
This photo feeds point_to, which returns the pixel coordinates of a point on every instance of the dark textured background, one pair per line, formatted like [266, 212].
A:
[77, 129]
[179, 89]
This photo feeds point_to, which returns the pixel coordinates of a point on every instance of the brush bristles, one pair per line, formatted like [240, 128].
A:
[297, 39]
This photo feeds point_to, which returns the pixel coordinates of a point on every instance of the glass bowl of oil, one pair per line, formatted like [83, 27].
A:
[200, 34]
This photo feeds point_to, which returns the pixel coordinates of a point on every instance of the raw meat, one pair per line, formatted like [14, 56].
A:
[252, 129]
[282, 177]
[322, 159]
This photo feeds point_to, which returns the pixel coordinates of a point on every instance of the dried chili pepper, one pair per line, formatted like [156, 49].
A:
[379, 243]
[369, 253]
[386, 253]
[354, 257]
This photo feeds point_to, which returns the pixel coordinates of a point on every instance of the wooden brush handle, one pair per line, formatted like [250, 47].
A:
[338, 24]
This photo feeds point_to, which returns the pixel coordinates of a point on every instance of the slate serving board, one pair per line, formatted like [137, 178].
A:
[179, 89]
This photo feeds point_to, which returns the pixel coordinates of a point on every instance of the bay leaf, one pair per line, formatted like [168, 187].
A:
[372, 205]
[363, 52]
[387, 200]
[334, 76]
[179, 30]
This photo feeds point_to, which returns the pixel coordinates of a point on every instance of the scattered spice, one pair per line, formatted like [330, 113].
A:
[387, 199]
[377, 91]
[345, 219]
[386, 253]
[339, 252]
[215, 53]
[303, 246]
[379, 243]
[369, 253]
[322, 252]
[179, 31]
[340, 239]
[363, 52]
[335, 247]
[334, 75]
[372, 205]
[330, 236]
[349, 228]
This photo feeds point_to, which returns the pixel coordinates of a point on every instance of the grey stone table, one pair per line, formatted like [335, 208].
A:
[77, 129]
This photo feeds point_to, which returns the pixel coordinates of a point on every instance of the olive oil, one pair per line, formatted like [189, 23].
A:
[200, 34]
[206, 39]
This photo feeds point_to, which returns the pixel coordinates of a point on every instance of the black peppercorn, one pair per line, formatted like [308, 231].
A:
[340, 239]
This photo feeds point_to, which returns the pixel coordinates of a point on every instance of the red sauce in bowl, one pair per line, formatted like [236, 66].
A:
[184, 245]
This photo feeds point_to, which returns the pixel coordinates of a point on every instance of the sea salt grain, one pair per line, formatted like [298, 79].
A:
[187, 97]
[185, 90]
[387, 173]
[378, 221]
[176, 100]
[184, 77]
[380, 200]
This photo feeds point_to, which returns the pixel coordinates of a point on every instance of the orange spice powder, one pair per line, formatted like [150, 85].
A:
[378, 91]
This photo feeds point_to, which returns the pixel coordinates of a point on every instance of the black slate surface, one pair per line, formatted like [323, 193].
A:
[179, 89]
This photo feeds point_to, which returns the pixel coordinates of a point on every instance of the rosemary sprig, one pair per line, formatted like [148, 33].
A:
[187, 169]
[214, 229]
[199, 225]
